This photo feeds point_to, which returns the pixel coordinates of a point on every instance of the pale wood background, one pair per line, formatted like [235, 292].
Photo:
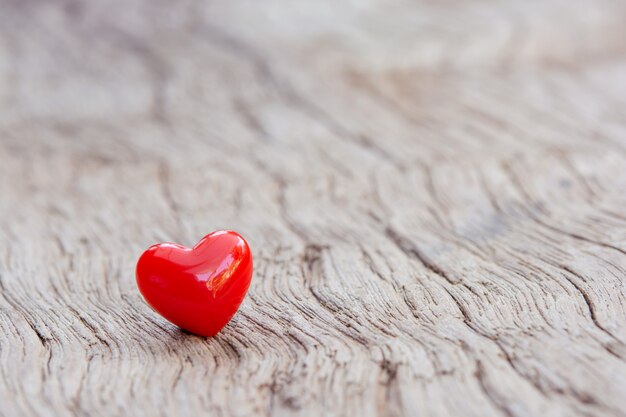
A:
[434, 193]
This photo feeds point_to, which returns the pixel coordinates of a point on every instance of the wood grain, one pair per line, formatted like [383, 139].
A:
[434, 193]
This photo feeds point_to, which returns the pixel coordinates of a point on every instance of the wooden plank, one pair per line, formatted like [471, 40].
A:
[434, 194]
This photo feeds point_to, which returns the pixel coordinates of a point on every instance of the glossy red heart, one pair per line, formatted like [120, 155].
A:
[197, 289]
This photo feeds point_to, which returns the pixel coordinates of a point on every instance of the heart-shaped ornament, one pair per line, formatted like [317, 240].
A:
[197, 289]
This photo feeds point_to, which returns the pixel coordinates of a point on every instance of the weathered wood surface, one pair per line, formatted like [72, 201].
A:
[434, 193]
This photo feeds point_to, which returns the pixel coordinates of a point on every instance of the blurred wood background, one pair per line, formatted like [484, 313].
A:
[434, 193]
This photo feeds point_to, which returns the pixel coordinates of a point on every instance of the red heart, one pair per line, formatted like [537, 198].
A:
[198, 289]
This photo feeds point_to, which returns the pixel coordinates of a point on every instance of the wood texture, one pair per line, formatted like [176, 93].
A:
[434, 193]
